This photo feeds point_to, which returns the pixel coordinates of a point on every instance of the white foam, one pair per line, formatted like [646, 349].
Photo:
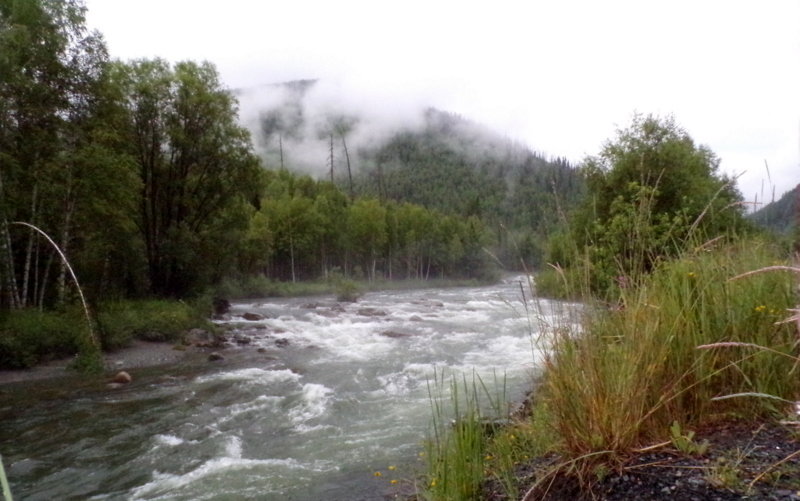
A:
[169, 440]
[164, 484]
[313, 403]
[233, 448]
[252, 374]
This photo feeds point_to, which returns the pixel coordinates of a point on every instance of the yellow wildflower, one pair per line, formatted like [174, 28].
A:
[378, 474]
[393, 481]
[392, 468]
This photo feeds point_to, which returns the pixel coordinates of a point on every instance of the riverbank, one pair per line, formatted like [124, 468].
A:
[740, 460]
[139, 355]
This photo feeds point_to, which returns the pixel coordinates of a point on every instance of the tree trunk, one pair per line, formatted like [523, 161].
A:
[65, 232]
[29, 251]
[45, 274]
[7, 272]
[280, 148]
[349, 172]
[7, 255]
[291, 257]
[332, 158]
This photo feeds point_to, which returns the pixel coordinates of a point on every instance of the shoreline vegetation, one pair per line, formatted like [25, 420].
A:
[686, 388]
[42, 344]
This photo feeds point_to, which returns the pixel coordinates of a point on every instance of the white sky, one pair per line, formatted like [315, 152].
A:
[560, 76]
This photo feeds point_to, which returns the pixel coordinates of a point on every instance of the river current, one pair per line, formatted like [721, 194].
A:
[317, 399]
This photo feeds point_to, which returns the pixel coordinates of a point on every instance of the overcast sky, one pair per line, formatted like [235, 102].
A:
[560, 76]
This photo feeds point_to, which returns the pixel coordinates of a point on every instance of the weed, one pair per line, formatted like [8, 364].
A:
[726, 472]
[685, 443]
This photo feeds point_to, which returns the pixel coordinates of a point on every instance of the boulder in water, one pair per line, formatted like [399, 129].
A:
[241, 339]
[282, 342]
[122, 377]
[221, 306]
[395, 334]
[215, 356]
[201, 338]
[252, 317]
[371, 312]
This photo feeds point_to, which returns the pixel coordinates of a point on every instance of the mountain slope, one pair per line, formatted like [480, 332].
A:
[779, 216]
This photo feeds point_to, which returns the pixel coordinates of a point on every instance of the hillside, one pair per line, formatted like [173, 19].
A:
[424, 156]
[779, 216]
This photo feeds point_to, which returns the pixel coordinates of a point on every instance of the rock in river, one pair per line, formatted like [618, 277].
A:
[201, 338]
[122, 377]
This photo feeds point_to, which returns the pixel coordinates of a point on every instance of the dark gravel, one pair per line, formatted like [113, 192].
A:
[737, 454]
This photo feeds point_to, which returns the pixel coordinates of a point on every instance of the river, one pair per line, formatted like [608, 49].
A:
[321, 397]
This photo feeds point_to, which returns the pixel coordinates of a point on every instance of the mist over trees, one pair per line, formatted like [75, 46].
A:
[142, 174]
[427, 157]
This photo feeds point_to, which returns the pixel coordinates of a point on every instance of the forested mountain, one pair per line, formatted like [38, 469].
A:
[780, 216]
[432, 158]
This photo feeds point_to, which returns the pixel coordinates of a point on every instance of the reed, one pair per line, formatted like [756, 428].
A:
[466, 412]
[4, 482]
[635, 370]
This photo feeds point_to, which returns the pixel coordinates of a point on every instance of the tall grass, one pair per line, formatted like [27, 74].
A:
[632, 373]
[466, 412]
[635, 369]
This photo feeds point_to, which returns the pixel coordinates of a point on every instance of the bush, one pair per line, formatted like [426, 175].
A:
[148, 320]
[30, 336]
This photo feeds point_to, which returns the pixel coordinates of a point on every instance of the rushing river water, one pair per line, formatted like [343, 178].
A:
[335, 394]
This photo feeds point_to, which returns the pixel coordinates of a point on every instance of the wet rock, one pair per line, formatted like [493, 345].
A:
[252, 317]
[415, 318]
[215, 356]
[122, 377]
[262, 350]
[221, 306]
[241, 339]
[282, 342]
[327, 313]
[200, 338]
[310, 306]
[371, 312]
[395, 334]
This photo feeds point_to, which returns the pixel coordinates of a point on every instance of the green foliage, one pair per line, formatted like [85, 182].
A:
[343, 288]
[780, 216]
[148, 320]
[684, 442]
[456, 167]
[30, 336]
[304, 229]
[195, 163]
[652, 194]
[465, 415]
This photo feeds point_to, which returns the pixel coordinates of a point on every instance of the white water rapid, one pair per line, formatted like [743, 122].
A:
[317, 398]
